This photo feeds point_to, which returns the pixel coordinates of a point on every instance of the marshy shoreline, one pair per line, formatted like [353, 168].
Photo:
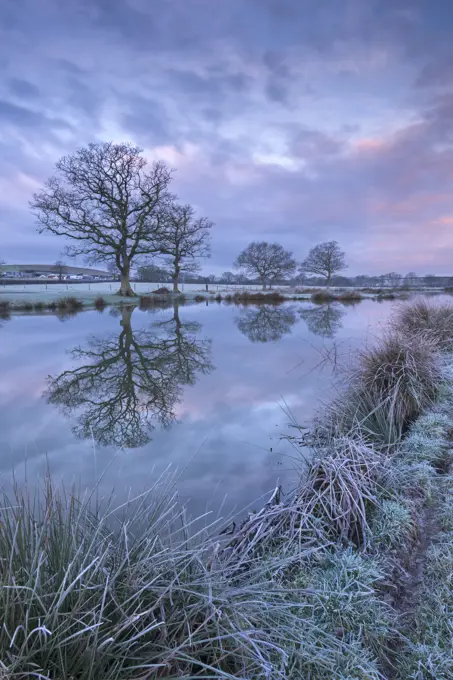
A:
[69, 302]
[346, 576]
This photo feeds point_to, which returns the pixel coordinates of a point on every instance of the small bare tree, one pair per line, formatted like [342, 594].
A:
[266, 261]
[113, 269]
[394, 279]
[325, 259]
[107, 204]
[184, 239]
[60, 265]
[411, 280]
[228, 277]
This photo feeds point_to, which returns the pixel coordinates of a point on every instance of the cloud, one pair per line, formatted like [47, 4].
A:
[280, 127]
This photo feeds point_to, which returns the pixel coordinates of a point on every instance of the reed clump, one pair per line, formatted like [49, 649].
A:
[100, 304]
[428, 319]
[323, 296]
[5, 309]
[70, 305]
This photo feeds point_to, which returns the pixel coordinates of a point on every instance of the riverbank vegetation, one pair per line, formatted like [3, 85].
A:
[346, 577]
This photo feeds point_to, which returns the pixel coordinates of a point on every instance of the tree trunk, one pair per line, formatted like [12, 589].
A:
[176, 318]
[125, 286]
[329, 276]
[126, 313]
[176, 280]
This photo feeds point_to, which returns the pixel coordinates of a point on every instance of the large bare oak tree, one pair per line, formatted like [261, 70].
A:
[108, 203]
[268, 262]
[324, 259]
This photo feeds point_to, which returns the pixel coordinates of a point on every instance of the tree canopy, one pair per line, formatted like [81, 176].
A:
[325, 259]
[268, 262]
[184, 239]
[107, 203]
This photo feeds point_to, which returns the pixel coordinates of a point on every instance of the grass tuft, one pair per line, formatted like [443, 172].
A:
[393, 526]
[389, 386]
[428, 318]
[5, 309]
[422, 447]
[345, 597]
[100, 303]
[340, 488]
[69, 305]
[323, 296]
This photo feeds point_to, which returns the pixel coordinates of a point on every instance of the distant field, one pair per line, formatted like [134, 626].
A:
[81, 287]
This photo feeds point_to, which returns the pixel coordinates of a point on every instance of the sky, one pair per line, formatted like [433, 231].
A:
[296, 121]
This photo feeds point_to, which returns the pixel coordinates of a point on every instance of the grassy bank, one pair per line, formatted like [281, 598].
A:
[35, 300]
[347, 577]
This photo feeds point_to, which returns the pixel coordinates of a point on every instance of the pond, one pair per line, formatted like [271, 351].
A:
[205, 389]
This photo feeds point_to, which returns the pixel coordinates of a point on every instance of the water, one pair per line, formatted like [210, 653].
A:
[207, 390]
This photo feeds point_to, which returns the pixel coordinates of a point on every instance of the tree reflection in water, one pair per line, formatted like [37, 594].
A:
[323, 320]
[266, 323]
[127, 383]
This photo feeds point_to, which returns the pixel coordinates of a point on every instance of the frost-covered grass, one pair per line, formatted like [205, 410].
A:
[394, 525]
[94, 596]
[427, 319]
[389, 385]
[428, 652]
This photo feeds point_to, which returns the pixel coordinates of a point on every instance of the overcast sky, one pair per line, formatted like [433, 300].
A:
[290, 120]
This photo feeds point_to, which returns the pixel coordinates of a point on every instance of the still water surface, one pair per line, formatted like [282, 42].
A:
[208, 390]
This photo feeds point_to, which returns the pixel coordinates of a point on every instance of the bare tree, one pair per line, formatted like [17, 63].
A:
[105, 201]
[266, 261]
[394, 279]
[324, 259]
[228, 277]
[152, 273]
[184, 240]
[411, 279]
[112, 269]
[60, 265]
